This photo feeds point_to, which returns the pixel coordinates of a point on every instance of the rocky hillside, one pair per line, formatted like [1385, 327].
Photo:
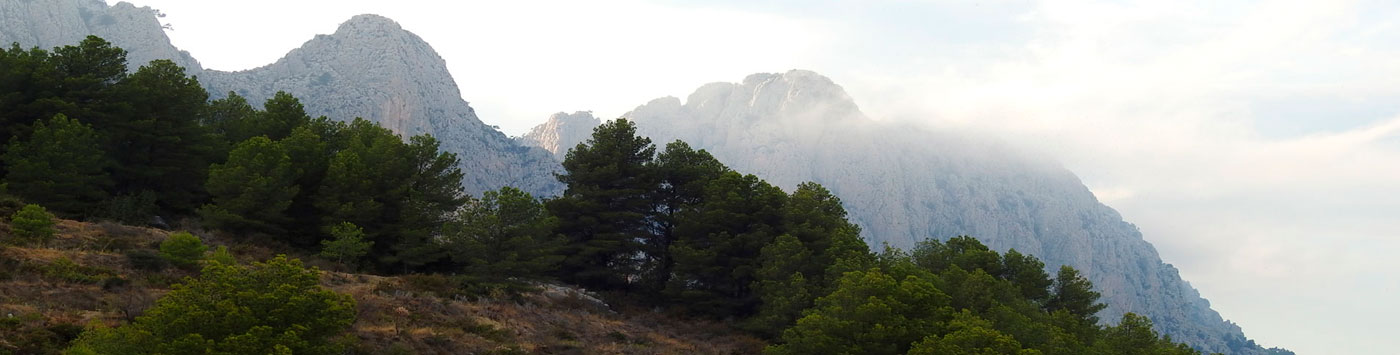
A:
[561, 132]
[370, 67]
[904, 184]
[90, 273]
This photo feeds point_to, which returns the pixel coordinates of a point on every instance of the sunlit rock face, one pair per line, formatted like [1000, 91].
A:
[561, 132]
[903, 184]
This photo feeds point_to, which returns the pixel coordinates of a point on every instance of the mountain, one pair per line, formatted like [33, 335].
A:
[561, 132]
[370, 68]
[903, 184]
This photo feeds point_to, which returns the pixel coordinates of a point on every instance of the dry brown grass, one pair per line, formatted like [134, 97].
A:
[391, 317]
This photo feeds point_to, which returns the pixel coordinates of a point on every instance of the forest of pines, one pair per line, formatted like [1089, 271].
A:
[671, 230]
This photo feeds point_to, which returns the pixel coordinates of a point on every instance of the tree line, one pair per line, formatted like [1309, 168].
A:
[672, 228]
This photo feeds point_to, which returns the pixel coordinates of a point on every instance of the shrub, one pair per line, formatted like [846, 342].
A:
[32, 224]
[65, 270]
[223, 256]
[264, 308]
[183, 249]
[146, 259]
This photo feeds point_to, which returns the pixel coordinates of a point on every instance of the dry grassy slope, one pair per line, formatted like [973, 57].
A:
[39, 290]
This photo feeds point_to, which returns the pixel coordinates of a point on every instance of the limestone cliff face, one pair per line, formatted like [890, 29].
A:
[53, 23]
[370, 67]
[561, 132]
[903, 184]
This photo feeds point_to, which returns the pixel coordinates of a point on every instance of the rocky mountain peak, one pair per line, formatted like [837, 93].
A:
[561, 132]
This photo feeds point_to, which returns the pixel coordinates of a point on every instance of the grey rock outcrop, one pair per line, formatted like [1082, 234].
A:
[53, 23]
[903, 184]
[561, 132]
[370, 68]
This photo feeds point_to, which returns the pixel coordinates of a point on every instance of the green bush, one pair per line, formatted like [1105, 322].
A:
[65, 270]
[277, 307]
[146, 259]
[183, 249]
[32, 224]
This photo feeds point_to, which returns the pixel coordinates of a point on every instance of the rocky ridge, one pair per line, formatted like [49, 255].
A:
[903, 184]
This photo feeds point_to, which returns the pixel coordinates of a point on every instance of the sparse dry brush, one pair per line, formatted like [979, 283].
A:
[406, 315]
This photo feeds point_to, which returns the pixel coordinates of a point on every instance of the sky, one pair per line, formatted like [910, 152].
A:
[1255, 143]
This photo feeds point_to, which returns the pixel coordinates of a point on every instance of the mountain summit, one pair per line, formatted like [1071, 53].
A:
[373, 68]
[904, 184]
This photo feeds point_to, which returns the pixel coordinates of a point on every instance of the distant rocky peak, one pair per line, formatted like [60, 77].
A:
[797, 95]
[561, 132]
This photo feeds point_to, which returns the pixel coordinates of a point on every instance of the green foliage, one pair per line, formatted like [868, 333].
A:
[970, 335]
[272, 307]
[137, 209]
[505, 235]
[158, 143]
[252, 190]
[683, 174]
[1028, 274]
[32, 224]
[347, 245]
[869, 313]
[60, 165]
[605, 207]
[65, 270]
[223, 256]
[1134, 336]
[1075, 294]
[718, 245]
[781, 286]
[183, 249]
[401, 194]
[963, 251]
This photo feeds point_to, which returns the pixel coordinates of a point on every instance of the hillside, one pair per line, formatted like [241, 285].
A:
[48, 294]
[903, 184]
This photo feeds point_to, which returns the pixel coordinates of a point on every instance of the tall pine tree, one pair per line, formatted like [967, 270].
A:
[603, 213]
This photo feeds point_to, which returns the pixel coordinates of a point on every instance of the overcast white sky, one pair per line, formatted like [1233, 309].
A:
[1256, 144]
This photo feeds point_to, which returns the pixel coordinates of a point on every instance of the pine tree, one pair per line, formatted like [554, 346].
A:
[252, 190]
[158, 143]
[60, 165]
[310, 156]
[683, 174]
[603, 213]
[1028, 274]
[816, 217]
[781, 286]
[507, 234]
[1075, 294]
[718, 245]
[346, 246]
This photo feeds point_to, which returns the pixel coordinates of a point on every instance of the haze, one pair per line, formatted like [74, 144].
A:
[1256, 144]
